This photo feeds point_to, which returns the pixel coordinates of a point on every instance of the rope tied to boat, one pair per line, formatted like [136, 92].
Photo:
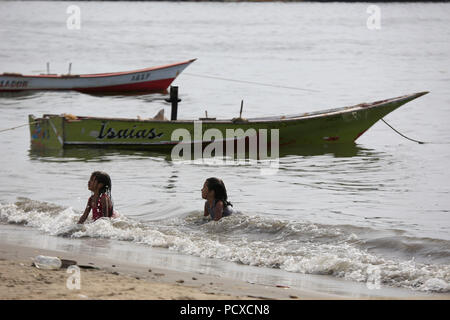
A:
[419, 142]
[22, 125]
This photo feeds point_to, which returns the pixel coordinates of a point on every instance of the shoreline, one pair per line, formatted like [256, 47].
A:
[126, 271]
[107, 279]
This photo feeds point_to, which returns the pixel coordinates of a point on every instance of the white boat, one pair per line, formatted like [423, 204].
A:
[152, 79]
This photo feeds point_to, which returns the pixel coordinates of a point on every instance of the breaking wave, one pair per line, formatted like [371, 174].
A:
[345, 251]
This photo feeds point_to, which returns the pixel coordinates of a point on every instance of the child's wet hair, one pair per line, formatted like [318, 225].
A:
[105, 179]
[220, 192]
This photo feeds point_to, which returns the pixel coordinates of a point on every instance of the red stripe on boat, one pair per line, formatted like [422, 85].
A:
[360, 134]
[148, 86]
[282, 144]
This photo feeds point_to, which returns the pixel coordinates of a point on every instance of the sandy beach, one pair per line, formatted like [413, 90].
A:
[105, 279]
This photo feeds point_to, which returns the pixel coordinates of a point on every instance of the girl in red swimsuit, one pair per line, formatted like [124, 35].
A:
[101, 201]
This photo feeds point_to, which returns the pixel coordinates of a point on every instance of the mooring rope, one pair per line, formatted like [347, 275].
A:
[249, 82]
[420, 142]
[22, 125]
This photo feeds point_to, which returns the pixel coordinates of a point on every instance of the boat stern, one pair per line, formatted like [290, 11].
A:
[46, 132]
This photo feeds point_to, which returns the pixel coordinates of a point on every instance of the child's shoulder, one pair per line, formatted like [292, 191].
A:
[219, 203]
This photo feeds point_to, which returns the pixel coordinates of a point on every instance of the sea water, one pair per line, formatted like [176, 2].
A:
[379, 208]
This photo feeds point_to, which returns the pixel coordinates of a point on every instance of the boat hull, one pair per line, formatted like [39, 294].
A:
[335, 126]
[145, 80]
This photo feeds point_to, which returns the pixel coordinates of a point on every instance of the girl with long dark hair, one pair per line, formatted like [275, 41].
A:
[217, 204]
[100, 202]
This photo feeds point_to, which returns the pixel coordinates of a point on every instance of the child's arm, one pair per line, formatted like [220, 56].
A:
[205, 211]
[218, 211]
[86, 212]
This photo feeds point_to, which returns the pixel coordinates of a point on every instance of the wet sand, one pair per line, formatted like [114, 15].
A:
[20, 279]
[124, 270]
[106, 279]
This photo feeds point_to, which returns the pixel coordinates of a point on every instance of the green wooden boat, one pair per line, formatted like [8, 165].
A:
[334, 126]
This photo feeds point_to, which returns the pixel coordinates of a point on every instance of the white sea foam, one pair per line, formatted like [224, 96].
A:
[251, 240]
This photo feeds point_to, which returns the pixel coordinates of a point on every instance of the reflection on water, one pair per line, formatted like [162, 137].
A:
[172, 181]
[146, 96]
[18, 95]
[108, 153]
[335, 150]
[73, 154]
